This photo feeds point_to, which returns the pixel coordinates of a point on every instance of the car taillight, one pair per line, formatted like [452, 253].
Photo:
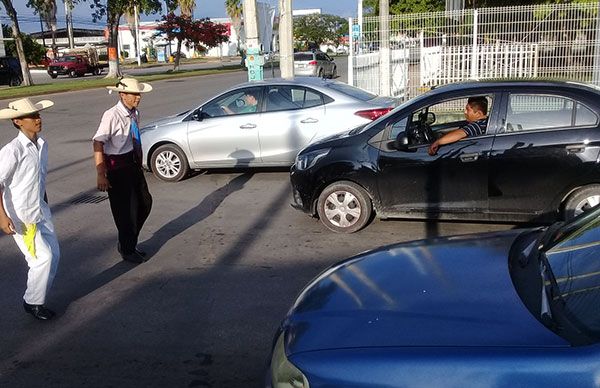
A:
[312, 63]
[372, 114]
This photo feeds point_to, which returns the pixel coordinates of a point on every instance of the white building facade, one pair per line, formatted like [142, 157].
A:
[155, 44]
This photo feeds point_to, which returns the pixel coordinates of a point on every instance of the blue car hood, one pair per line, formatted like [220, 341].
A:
[452, 292]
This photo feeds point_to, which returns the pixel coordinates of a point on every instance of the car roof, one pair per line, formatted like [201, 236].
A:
[312, 81]
[512, 83]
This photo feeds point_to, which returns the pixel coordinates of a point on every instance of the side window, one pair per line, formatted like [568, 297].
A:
[528, 112]
[243, 101]
[291, 97]
[441, 118]
[397, 128]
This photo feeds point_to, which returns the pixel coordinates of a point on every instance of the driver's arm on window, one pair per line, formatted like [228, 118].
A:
[448, 138]
[227, 110]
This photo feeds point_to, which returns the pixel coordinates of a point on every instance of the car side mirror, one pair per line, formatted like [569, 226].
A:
[198, 115]
[402, 143]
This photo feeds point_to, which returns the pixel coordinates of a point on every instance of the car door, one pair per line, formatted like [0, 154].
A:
[547, 145]
[450, 184]
[292, 117]
[226, 138]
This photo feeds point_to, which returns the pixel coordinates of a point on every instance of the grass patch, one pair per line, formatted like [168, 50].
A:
[83, 84]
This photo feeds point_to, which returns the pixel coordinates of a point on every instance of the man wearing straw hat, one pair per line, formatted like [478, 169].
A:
[118, 157]
[24, 210]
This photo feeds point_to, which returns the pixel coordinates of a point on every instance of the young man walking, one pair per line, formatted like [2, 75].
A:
[118, 158]
[24, 210]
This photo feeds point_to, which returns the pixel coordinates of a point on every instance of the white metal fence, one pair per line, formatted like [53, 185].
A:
[558, 41]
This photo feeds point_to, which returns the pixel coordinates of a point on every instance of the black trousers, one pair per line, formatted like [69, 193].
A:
[130, 203]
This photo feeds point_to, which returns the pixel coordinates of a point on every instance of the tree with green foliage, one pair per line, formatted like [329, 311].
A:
[47, 11]
[16, 33]
[34, 52]
[316, 29]
[113, 10]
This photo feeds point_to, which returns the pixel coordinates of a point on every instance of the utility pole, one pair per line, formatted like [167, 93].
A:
[286, 39]
[69, 17]
[384, 48]
[137, 34]
[254, 60]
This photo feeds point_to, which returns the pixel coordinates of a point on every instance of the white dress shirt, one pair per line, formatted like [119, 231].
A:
[23, 170]
[114, 130]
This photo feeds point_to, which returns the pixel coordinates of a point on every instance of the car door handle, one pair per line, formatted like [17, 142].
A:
[469, 157]
[575, 149]
[248, 126]
[309, 120]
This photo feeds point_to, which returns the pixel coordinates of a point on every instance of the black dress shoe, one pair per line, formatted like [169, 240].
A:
[138, 251]
[133, 257]
[38, 311]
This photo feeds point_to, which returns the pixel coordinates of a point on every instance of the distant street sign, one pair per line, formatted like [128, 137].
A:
[355, 31]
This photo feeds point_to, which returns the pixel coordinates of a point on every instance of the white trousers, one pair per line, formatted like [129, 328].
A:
[42, 268]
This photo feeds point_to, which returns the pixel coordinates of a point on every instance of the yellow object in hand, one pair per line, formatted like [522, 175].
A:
[29, 231]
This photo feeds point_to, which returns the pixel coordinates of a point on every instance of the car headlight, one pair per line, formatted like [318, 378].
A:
[309, 159]
[283, 373]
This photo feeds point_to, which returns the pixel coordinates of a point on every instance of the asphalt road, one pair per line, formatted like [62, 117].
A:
[228, 257]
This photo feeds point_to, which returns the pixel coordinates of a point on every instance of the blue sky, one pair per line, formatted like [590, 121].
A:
[29, 22]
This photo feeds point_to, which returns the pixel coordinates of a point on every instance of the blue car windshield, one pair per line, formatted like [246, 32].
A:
[573, 261]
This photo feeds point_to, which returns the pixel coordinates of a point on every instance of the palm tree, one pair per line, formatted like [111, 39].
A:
[235, 11]
[12, 14]
[187, 7]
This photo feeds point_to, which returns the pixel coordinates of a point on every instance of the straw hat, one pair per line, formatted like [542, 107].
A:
[130, 85]
[23, 107]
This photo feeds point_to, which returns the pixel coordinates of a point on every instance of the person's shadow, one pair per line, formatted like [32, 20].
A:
[196, 214]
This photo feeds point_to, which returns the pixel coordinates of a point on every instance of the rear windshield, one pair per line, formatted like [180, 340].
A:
[351, 91]
[67, 59]
[303, 57]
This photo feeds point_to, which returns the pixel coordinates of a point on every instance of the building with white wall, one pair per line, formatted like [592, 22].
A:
[153, 42]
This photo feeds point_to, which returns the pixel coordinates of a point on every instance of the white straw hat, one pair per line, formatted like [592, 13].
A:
[23, 107]
[130, 85]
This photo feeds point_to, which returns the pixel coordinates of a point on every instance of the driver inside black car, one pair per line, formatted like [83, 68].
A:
[476, 115]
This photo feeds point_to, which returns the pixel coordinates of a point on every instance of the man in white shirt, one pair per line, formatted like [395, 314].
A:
[118, 157]
[24, 210]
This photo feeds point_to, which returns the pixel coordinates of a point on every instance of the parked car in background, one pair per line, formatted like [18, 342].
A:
[503, 309]
[256, 124]
[314, 64]
[76, 63]
[537, 162]
[10, 71]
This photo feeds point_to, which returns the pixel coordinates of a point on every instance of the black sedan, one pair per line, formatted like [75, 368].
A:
[538, 160]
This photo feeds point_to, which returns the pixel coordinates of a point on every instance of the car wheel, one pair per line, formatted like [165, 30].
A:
[97, 71]
[344, 207]
[320, 75]
[53, 76]
[72, 74]
[581, 200]
[169, 163]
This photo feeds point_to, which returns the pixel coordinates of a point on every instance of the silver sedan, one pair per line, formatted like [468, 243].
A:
[256, 124]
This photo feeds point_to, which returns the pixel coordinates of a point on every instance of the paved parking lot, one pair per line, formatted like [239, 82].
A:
[228, 256]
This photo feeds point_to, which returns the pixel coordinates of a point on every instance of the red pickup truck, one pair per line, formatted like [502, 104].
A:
[73, 65]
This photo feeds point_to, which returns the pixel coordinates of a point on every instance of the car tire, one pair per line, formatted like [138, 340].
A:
[72, 73]
[53, 76]
[97, 71]
[344, 207]
[320, 74]
[169, 163]
[580, 200]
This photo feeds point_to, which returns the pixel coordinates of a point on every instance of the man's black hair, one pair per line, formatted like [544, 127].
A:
[479, 103]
